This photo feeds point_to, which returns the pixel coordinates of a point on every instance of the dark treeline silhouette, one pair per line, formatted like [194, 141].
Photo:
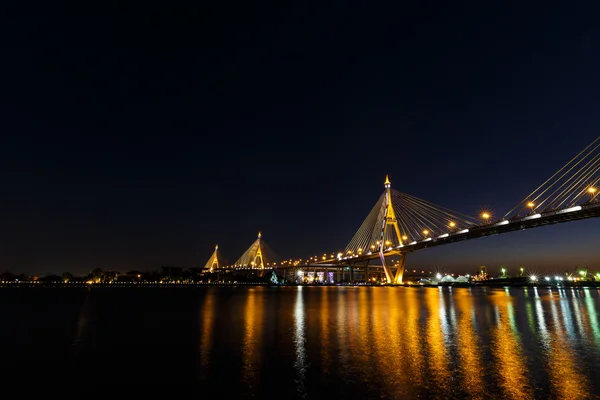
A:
[166, 274]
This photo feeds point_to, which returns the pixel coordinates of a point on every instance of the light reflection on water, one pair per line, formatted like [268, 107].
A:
[590, 304]
[319, 342]
[566, 380]
[325, 341]
[252, 341]
[207, 316]
[508, 351]
[436, 342]
[299, 343]
[413, 335]
[392, 364]
[436, 349]
[470, 360]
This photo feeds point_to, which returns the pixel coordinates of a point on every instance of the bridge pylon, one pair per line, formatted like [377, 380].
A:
[258, 256]
[215, 261]
[396, 225]
[389, 223]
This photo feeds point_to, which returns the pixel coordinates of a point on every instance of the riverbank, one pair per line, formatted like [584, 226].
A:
[142, 285]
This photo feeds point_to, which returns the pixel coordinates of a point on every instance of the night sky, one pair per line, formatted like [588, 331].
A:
[144, 138]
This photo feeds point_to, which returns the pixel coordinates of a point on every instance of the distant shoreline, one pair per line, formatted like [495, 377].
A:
[143, 285]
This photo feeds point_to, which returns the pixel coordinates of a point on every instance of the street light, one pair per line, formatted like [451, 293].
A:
[592, 191]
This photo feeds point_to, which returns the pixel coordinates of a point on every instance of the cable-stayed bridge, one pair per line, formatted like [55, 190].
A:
[399, 223]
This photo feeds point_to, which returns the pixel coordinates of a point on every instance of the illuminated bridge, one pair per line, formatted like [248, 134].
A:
[400, 223]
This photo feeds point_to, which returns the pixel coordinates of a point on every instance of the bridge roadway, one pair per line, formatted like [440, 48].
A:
[589, 210]
[585, 211]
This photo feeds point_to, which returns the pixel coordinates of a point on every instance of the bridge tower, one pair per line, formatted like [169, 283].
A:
[215, 261]
[390, 222]
[258, 256]
[258, 261]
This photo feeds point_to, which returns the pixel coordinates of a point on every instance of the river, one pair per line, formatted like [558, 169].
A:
[309, 342]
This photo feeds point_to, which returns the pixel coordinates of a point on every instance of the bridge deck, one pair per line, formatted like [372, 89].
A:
[590, 210]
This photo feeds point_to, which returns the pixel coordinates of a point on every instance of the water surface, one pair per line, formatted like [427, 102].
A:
[309, 342]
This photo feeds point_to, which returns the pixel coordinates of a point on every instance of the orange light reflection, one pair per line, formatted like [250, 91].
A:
[507, 349]
[438, 360]
[566, 381]
[251, 350]
[468, 347]
[207, 316]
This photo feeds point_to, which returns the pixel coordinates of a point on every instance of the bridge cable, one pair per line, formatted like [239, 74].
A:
[567, 186]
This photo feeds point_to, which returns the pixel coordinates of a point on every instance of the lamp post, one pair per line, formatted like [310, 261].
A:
[593, 193]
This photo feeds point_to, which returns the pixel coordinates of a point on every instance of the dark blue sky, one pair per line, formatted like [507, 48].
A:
[144, 138]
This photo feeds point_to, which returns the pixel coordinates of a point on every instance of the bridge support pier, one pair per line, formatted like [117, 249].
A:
[389, 278]
[400, 270]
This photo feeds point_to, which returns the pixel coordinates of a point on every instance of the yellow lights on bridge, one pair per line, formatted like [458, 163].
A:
[425, 232]
[485, 215]
[592, 190]
[531, 204]
[404, 237]
[452, 224]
